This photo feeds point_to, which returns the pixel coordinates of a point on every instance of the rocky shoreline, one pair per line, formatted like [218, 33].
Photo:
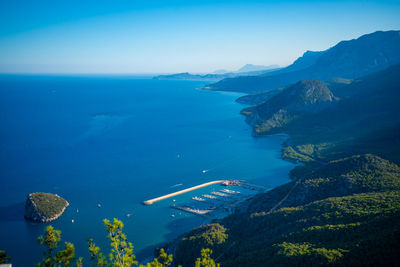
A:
[34, 213]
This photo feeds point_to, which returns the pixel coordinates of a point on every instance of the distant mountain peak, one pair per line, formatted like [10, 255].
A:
[307, 96]
[311, 92]
[251, 67]
[349, 59]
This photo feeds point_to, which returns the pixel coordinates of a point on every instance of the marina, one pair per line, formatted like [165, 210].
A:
[209, 196]
[151, 201]
[218, 203]
[219, 194]
[192, 210]
[198, 198]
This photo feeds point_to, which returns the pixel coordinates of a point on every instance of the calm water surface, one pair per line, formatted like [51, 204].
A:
[117, 141]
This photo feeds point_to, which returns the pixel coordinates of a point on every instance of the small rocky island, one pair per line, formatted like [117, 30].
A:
[44, 207]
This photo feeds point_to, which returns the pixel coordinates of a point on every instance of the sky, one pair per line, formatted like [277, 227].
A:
[127, 37]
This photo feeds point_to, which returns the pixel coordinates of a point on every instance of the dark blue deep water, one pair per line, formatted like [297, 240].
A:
[118, 141]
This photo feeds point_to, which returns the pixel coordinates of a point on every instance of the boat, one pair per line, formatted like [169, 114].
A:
[176, 185]
[204, 171]
[99, 205]
[229, 191]
[219, 194]
[198, 198]
[209, 196]
[72, 221]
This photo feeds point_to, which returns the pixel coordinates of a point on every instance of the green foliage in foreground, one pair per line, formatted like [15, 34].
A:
[54, 257]
[205, 260]
[163, 260]
[189, 247]
[4, 258]
[49, 204]
[121, 253]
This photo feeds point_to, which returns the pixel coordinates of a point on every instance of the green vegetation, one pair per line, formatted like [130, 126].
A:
[205, 260]
[53, 258]
[121, 253]
[49, 204]
[364, 120]
[289, 153]
[304, 97]
[258, 98]
[344, 213]
[342, 207]
[338, 231]
[189, 247]
[163, 260]
[4, 258]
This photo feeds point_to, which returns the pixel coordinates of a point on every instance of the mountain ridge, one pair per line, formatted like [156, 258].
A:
[246, 70]
[347, 59]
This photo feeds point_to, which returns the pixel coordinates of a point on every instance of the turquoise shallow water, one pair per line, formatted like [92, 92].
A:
[118, 141]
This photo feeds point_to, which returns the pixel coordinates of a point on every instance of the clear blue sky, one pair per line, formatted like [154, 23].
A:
[85, 36]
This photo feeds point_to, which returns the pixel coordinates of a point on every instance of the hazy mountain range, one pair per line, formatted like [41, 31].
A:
[348, 59]
[217, 75]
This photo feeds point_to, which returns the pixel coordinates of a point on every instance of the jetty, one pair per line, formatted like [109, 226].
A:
[219, 194]
[151, 201]
[193, 210]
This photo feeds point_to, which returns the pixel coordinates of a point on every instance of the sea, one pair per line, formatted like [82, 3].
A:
[107, 143]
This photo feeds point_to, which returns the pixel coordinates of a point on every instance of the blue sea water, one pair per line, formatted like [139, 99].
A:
[117, 141]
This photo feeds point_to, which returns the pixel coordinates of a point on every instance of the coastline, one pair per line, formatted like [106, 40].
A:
[170, 246]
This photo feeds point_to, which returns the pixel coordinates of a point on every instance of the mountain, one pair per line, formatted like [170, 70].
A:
[220, 74]
[335, 215]
[251, 67]
[342, 207]
[348, 59]
[366, 118]
[220, 71]
[182, 76]
[306, 60]
[258, 98]
[308, 96]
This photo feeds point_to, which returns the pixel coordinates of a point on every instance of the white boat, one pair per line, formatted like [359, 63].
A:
[198, 198]
[209, 196]
[219, 194]
[229, 191]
